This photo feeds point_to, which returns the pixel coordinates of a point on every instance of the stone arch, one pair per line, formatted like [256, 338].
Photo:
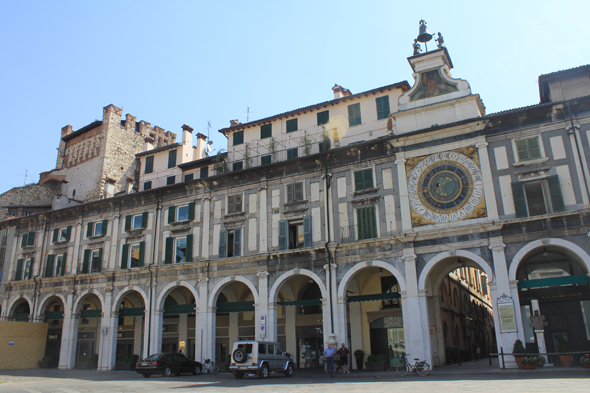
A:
[78, 301]
[561, 243]
[121, 295]
[45, 299]
[274, 291]
[159, 305]
[15, 302]
[219, 286]
[482, 264]
[359, 266]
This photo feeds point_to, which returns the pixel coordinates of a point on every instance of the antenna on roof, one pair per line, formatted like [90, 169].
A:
[248, 115]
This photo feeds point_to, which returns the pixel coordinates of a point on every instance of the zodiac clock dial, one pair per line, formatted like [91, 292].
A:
[445, 187]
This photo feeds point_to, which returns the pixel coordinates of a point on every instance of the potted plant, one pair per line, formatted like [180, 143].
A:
[530, 363]
[359, 354]
[45, 362]
[375, 362]
[519, 349]
[564, 346]
[585, 360]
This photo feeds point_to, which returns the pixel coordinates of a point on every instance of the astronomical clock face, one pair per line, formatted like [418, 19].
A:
[445, 187]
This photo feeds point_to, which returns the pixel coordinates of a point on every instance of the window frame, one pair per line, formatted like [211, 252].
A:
[147, 185]
[178, 210]
[362, 179]
[238, 138]
[266, 131]
[290, 155]
[528, 159]
[266, 159]
[295, 192]
[237, 166]
[170, 180]
[204, 170]
[95, 227]
[176, 249]
[131, 259]
[291, 125]
[323, 117]
[551, 193]
[134, 221]
[354, 115]
[172, 158]
[382, 112]
[189, 177]
[232, 203]
[149, 160]
[367, 233]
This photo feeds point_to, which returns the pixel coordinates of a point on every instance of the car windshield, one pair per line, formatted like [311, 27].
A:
[246, 347]
[154, 357]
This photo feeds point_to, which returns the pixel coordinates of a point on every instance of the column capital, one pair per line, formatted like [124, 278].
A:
[496, 244]
[481, 145]
[263, 274]
[400, 161]
[408, 255]
[262, 188]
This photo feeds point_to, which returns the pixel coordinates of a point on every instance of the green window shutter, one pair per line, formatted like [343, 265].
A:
[127, 223]
[204, 172]
[86, 261]
[358, 180]
[307, 231]
[382, 107]
[149, 164]
[144, 220]
[519, 200]
[354, 114]
[191, 211]
[290, 192]
[292, 125]
[55, 231]
[31, 239]
[283, 235]
[49, 265]
[31, 268]
[555, 191]
[292, 153]
[172, 158]
[125, 256]
[534, 148]
[68, 232]
[238, 138]
[223, 235]
[363, 180]
[99, 267]
[89, 229]
[189, 248]
[141, 254]
[265, 131]
[23, 242]
[237, 242]
[323, 117]
[171, 214]
[19, 270]
[188, 177]
[521, 149]
[62, 267]
[366, 223]
[104, 227]
[169, 252]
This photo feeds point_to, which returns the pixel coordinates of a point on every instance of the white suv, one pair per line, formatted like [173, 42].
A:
[260, 357]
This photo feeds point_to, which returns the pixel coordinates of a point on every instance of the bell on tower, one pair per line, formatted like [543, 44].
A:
[424, 35]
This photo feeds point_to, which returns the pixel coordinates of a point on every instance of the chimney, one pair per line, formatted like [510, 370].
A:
[67, 130]
[187, 135]
[233, 123]
[340, 92]
[149, 144]
[201, 150]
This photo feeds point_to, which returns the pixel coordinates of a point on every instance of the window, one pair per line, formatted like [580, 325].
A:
[204, 172]
[136, 222]
[238, 138]
[237, 166]
[234, 203]
[61, 234]
[367, 223]
[149, 164]
[24, 269]
[179, 249]
[323, 117]
[292, 125]
[264, 160]
[172, 159]
[181, 213]
[132, 255]
[147, 185]
[188, 177]
[382, 107]
[292, 153]
[354, 114]
[537, 197]
[170, 180]
[265, 131]
[295, 192]
[28, 240]
[55, 265]
[528, 149]
[363, 180]
[92, 261]
[295, 233]
[98, 228]
[230, 244]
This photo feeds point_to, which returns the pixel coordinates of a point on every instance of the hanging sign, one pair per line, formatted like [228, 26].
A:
[506, 314]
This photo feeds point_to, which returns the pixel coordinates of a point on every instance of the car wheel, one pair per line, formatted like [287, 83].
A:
[289, 370]
[167, 372]
[146, 375]
[238, 375]
[264, 371]
[240, 356]
[198, 369]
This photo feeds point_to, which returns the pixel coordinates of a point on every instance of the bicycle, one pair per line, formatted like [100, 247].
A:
[420, 367]
[210, 367]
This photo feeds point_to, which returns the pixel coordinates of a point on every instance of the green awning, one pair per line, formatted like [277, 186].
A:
[227, 307]
[306, 302]
[21, 316]
[177, 309]
[554, 281]
[377, 296]
[132, 312]
[54, 315]
[87, 314]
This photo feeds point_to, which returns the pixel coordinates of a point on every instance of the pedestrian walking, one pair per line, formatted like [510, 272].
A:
[329, 353]
[343, 355]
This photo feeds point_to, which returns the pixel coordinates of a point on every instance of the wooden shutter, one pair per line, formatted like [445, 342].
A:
[290, 192]
[55, 232]
[172, 158]
[31, 268]
[104, 227]
[382, 107]
[19, 270]
[366, 222]
[125, 256]
[31, 239]
[144, 220]
[23, 242]
[149, 164]
[519, 200]
[189, 248]
[169, 252]
[68, 232]
[128, 223]
[85, 261]
[223, 235]
[555, 193]
[62, 267]
[171, 214]
[141, 254]
[534, 148]
[307, 231]
[89, 229]
[358, 180]
[191, 211]
[49, 265]
[99, 267]
[237, 242]
[283, 235]
[522, 151]
[298, 191]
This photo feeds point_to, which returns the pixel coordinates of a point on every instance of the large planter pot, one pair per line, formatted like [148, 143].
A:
[566, 360]
[359, 362]
[43, 364]
[519, 360]
[587, 365]
[529, 366]
[375, 366]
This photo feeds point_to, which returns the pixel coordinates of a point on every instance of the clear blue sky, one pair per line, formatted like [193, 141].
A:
[192, 62]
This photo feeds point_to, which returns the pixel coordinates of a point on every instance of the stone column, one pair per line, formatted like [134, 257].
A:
[291, 330]
[206, 215]
[262, 310]
[573, 135]
[340, 325]
[69, 334]
[202, 329]
[108, 334]
[404, 196]
[4, 307]
[156, 328]
[183, 331]
[263, 246]
[356, 328]
[137, 336]
[487, 179]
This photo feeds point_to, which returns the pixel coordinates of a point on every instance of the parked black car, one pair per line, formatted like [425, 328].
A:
[167, 364]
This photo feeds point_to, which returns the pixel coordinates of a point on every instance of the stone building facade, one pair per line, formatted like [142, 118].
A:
[337, 222]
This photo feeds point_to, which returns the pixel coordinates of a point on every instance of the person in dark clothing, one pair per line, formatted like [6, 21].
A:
[343, 354]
